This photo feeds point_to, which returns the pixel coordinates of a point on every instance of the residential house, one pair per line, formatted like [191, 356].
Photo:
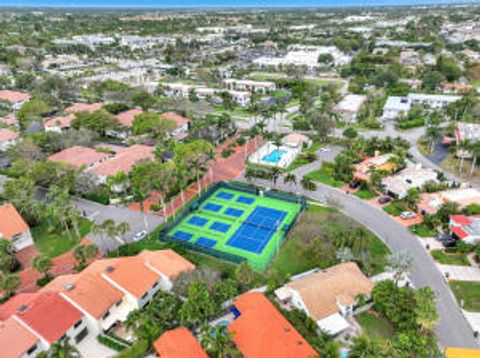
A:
[122, 162]
[408, 178]
[182, 125]
[240, 97]
[7, 138]
[377, 162]
[262, 87]
[178, 343]
[260, 331]
[397, 106]
[14, 228]
[59, 123]
[125, 119]
[327, 296]
[296, 140]
[9, 120]
[350, 106]
[14, 98]
[454, 88]
[18, 341]
[79, 157]
[84, 107]
[465, 228]
[466, 132]
[430, 202]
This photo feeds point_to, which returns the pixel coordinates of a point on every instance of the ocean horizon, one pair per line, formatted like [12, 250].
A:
[189, 4]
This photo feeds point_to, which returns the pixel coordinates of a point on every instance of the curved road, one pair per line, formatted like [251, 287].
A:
[453, 329]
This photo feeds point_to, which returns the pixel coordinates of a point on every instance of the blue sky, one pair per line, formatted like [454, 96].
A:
[220, 3]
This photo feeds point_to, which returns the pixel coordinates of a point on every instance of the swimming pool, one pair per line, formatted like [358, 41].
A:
[274, 156]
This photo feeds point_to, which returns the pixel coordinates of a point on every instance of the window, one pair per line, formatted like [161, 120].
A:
[119, 302]
[32, 349]
[81, 335]
[106, 315]
[78, 323]
[144, 296]
[155, 284]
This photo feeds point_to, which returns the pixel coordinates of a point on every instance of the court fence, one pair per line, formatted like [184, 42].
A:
[241, 187]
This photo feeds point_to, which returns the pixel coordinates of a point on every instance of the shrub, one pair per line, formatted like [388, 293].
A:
[109, 342]
[155, 207]
[350, 133]
[241, 140]
[136, 350]
[44, 280]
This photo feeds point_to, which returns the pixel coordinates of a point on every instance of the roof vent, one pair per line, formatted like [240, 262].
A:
[69, 286]
[22, 308]
[110, 269]
[287, 329]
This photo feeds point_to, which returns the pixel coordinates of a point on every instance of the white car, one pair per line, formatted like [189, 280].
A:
[405, 215]
[325, 149]
[140, 235]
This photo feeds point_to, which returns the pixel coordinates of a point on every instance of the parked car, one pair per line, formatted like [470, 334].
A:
[354, 184]
[449, 243]
[140, 235]
[384, 199]
[405, 215]
[443, 237]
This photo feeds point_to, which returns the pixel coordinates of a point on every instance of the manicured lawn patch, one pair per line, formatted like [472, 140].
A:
[468, 292]
[392, 209]
[449, 258]
[365, 194]
[422, 230]
[324, 175]
[375, 325]
[53, 241]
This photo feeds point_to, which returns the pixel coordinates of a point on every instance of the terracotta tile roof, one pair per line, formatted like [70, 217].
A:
[13, 96]
[323, 290]
[126, 118]
[15, 339]
[10, 307]
[84, 107]
[178, 343]
[168, 262]
[9, 120]
[457, 230]
[91, 292]
[11, 223]
[262, 332]
[125, 160]
[7, 134]
[132, 274]
[49, 315]
[60, 121]
[180, 120]
[78, 156]
[461, 219]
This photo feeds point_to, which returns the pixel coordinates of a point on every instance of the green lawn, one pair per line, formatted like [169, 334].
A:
[324, 175]
[392, 209]
[449, 258]
[365, 194]
[296, 257]
[375, 326]
[54, 241]
[468, 292]
[422, 230]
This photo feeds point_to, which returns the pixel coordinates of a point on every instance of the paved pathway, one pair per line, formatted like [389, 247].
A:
[462, 273]
[453, 329]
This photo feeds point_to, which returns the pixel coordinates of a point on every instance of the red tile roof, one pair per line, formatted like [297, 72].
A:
[126, 118]
[262, 332]
[15, 339]
[125, 160]
[461, 219]
[13, 96]
[10, 307]
[61, 121]
[168, 262]
[178, 343]
[84, 107]
[9, 120]
[78, 156]
[180, 120]
[7, 134]
[459, 232]
[50, 315]
[11, 223]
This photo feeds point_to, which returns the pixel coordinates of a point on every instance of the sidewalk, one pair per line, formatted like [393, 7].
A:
[461, 273]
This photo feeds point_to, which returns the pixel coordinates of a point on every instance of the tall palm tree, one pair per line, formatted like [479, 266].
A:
[307, 183]
[218, 341]
[275, 173]
[462, 150]
[399, 263]
[140, 196]
[475, 152]
[290, 178]
[9, 283]
[63, 349]
[196, 166]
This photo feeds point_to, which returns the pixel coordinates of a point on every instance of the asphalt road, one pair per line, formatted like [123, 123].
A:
[453, 329]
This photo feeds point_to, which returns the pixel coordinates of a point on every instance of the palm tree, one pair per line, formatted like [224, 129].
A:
[274, 175]
[196, 167]
[462, 152]
[118, 179]
[63, 349]
[307, 183]
[210, 159]
[140, 196]
[399, 263]
[475, 152]
[426, 313]
[344, 254]
[9, 283]
[42, 264]
[83, 253]
[218, 341]
[290, 179]
[110, 230]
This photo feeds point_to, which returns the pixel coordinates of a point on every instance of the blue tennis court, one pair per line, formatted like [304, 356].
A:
[197, 221]
[218, 226]
[245, 200]
[182, 235]
[212, 207]
[203, 241]
[233, 212]
[224, 195]
[257, 230]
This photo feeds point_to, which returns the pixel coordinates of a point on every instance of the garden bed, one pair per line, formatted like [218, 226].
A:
[449, 258]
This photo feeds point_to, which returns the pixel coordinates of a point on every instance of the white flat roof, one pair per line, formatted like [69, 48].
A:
[333, 324]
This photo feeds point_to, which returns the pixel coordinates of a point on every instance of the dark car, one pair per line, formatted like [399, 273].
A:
[449, 243]
[384, 199]
[443, 237]
[354, 184]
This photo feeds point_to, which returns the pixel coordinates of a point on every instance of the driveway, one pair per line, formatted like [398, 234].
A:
[99, 213]
[461, 273]
[327, 153]
[453, 329]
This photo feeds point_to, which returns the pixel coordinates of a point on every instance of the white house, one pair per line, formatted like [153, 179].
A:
[466, 228]
[327, 296]
[248, 85]
[408, 178]
[350, 106]
[7, 138]
[14, 228]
